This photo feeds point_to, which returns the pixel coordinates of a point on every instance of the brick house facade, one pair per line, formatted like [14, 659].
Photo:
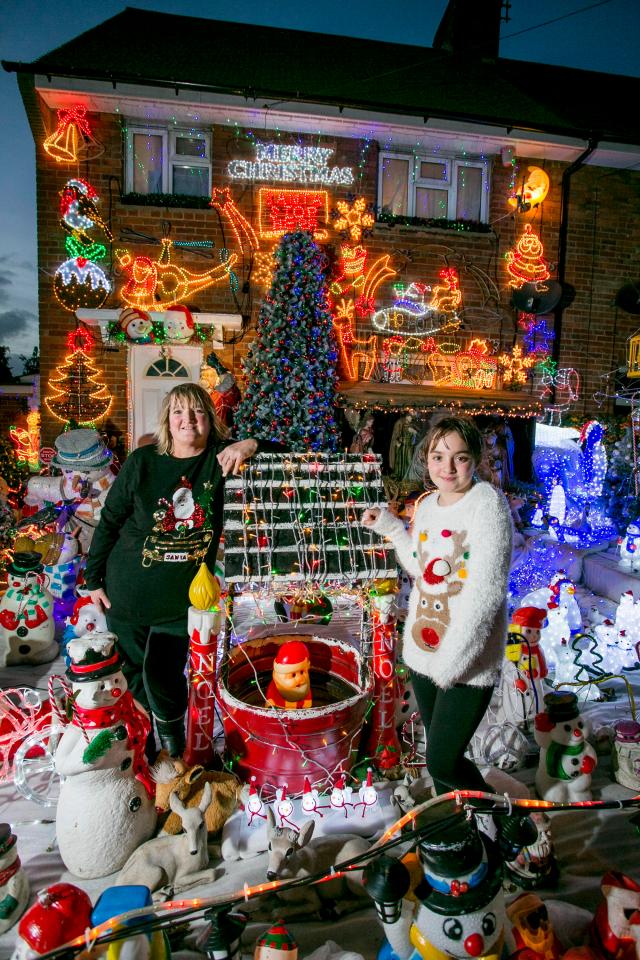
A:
[602, 223]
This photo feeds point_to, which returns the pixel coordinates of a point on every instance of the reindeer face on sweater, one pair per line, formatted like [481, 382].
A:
[442, 578]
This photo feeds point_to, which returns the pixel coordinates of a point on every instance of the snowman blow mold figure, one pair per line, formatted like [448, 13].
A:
[106, 805]
[567, 760]
[26, 614]
[630, 548]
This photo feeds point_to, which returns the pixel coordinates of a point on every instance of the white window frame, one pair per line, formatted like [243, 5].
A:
[170, 158]
[453, 165]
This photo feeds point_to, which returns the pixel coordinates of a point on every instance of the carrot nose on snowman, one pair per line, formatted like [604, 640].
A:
[436, 570]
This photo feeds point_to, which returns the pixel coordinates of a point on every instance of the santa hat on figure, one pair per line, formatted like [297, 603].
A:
[61, 913]
[530, 618]
[136, 325]
[179, 325]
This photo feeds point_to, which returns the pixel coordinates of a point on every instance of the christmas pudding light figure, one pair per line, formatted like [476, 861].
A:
[522, 691]
[630, 547]
[61, 913]
[567, 760]
[106, 804]
[290, 687]
[276, 944]
[14, 884]
[26, 614]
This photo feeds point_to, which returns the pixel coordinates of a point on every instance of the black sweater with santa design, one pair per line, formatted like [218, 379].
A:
[161, 519]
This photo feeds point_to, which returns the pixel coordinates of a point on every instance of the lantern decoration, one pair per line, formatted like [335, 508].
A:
[204, 621]
[633, 359]
[26, 442]
[525, 264]
[77, 395]
[72, 140]
[533, 190]
[160, 284]
[79, 282]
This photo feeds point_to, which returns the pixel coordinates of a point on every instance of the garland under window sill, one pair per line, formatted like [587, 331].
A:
[166, 200]
[433, 223]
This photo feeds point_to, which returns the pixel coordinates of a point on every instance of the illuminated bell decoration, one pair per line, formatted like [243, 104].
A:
[72, 137]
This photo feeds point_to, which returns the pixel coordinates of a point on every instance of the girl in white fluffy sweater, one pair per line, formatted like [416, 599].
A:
[459, 552]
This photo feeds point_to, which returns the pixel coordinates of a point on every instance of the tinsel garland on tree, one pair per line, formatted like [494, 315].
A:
[291, 367]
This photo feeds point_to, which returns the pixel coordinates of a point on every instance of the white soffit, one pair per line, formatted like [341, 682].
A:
[191, 109]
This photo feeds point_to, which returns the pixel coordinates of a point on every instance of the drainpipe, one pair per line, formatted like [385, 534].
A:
[562, 245]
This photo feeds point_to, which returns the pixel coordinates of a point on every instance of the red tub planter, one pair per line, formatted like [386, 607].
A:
[285, 746]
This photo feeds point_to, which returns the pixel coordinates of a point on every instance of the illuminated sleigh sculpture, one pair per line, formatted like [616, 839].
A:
[290, 520]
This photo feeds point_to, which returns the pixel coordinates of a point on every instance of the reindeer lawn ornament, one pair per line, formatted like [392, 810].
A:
[174, 861]
[291, 855]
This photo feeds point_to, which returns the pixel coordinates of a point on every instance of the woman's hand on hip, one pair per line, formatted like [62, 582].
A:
[100, 599]
[233, 456]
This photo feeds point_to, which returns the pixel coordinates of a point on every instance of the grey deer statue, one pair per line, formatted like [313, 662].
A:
[291, 855]
[174, 862]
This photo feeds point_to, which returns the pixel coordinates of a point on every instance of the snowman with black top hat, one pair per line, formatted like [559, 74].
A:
[106, 806]
[460, 910]
[27, 626]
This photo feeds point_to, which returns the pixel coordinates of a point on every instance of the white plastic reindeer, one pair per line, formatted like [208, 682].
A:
[174, 861]
[291, 855]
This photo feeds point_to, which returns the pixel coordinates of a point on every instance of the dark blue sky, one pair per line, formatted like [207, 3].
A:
[600, 36]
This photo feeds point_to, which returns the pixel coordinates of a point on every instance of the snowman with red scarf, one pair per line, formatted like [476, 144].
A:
[106, 805]
[26, 614]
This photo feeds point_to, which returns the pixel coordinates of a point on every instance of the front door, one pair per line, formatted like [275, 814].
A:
[153, 371]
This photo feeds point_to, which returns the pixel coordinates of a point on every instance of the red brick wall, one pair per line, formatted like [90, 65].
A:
[602, 252]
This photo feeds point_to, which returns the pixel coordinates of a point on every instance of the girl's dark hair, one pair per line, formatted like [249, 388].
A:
[465, 427]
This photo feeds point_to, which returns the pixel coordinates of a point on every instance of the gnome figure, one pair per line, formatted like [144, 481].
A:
[290, 687]
[14, 885]
[276, 944]
[61, 913]
[106, 804]
[26, 614]
[567, 760]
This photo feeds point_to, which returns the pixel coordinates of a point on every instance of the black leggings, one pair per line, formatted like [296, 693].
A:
[450, 718]
[153, 662]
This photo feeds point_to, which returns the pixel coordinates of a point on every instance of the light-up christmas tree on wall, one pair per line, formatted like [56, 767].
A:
[291, 368]
[78, 398]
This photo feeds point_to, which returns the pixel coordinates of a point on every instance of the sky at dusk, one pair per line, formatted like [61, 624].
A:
[574, 33]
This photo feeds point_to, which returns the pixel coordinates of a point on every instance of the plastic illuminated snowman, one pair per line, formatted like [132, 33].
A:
[14, 884]
[106, 804]
[178, 324]
[460, 910]
[26, 614]
[567, 760]
[526, 667]
[630, 548]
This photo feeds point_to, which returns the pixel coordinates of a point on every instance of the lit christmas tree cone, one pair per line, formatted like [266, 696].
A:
[383, 745]
[204, 621]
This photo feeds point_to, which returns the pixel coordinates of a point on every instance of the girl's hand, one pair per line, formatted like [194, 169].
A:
[100, 599]
[233, 456]
[370, 516]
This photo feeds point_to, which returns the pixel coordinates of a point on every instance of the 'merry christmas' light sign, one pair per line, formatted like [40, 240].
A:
[290, 164]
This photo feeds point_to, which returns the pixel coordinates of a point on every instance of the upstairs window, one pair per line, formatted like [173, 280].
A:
[168, 160]
[440, 188]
